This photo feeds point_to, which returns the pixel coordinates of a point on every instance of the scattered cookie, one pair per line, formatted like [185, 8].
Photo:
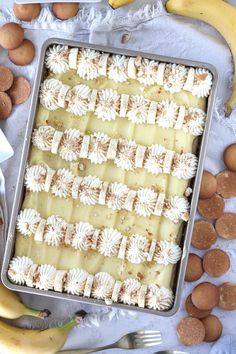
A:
[208, 185]
[226, 184]
[65, 10]
[205, 296]
[5, 105]
[213, 328]
[6, 78]
[230, 157]
[204, 235]
[226, 226]
[216, 263]
[11, 35]
[20, 90]
[194, 269]
[193, 311]
[211, 208]
[26, 12]
[227, 293]
[190, 331]
[24, 54]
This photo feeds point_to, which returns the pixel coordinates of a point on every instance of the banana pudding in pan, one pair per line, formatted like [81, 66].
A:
[108, 176]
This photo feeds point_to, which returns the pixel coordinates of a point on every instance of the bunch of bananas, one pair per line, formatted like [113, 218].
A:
[15, 340]
[219, 14]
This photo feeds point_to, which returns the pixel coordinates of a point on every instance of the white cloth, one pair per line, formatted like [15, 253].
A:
[150, 30]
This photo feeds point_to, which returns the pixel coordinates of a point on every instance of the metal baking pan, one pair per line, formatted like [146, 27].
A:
[186, 232]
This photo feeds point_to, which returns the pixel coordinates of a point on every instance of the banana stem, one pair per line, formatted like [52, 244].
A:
[37, 313]
[75, 321]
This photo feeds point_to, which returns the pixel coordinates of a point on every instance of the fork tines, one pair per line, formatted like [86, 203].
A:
[148, 338]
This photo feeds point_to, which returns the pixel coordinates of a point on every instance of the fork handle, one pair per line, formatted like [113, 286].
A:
[86, 351]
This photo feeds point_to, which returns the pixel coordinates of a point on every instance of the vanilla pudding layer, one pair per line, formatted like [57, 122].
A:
[128, 223]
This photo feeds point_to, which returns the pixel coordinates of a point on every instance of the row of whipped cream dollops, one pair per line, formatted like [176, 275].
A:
[73, 145]
[90, 190]
[109, 242]
[91, 64]
[100, 286]
[107, 104]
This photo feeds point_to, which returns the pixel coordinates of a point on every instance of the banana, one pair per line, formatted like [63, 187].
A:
[218, 14]
[14, 340]
[12, 307]
[118, 3]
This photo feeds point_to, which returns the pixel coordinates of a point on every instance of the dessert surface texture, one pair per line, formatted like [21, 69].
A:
[108, 176]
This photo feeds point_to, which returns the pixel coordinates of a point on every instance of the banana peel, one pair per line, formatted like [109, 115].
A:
[11, 306]
[218, 14]
[119, 3]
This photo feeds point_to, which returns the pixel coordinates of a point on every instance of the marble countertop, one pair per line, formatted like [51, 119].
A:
[150, 30]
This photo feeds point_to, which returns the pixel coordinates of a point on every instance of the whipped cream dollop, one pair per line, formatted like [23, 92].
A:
[147, 72]
[75, 281]
[159, 298]
[116, 196]
[202, 83]
[125, 156]
[89, 190]
[98, 148]
[174, 77]
[167, 253]
[88, 64]
[49, 94]
[108, 104]
[109, 242]
[62, 183]
[70, 144]
[167, 112]
[154, 161]
[35, 177]
[129, 291]
[45, 276]
[54, 230]
[57, 59]
[42, 137]
[18, 269]
[103, 284]
[137, 249]
[185, 166]
[78, 100]
[194, 121]
[117, 68]
[176, 209]
[145, 202]
[82, 238]
[138, 109]
[27, 221]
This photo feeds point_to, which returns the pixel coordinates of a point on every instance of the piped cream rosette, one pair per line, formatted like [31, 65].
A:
[102, 285]
[72, 145]
[108, 242]
[91, 64]
[107, 104]
[90, 190]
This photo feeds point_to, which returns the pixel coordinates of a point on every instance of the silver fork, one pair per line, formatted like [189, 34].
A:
[135, 340]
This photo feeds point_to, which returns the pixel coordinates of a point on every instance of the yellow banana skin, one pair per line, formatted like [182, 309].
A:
[15, 340]
[118, 3]
[12, 307]
[218, 14]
